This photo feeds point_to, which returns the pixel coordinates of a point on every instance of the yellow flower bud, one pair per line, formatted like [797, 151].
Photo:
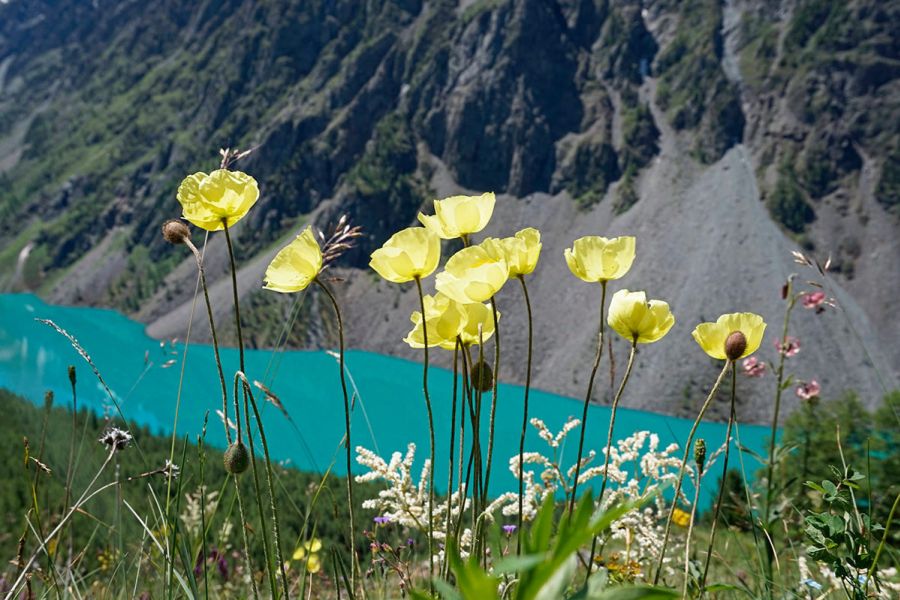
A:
[635, 318]
[712, 337]
[411, 253]
[208, 201]
[522, 251]
[474, 274]
[595, 259]
[457, 216]
[296, 265]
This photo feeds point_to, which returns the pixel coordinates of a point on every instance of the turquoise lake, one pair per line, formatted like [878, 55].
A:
[389, 413]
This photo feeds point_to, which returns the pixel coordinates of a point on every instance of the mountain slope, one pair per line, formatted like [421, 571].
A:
[685, 123]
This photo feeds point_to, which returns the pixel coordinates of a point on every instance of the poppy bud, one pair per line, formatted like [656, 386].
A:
[735, 344]
[482, 377]
[700, 455]
[175, 231]
[236, 458]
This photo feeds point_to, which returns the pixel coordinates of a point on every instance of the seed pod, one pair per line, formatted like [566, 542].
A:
[236, 458]
[700, 455]
[175, 231]
[482, 377]
[735, 344]
[72, 375]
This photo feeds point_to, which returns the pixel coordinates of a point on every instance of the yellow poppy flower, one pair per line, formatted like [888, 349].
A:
[474, 274]
[635, 318]
[444, 318]
[595, 259]
[208, 201]
[714, 337]
[681, 518]
[522, 251]
[411, 253]
[311, 549]
[481, 316]
[447, 320]
[457, 216]
[296, 265]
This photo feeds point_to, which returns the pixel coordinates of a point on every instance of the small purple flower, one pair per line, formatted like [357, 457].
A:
[410, 542]
[382, 520]
[509, 529]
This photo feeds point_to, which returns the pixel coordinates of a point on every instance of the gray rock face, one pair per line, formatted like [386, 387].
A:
[686, 124]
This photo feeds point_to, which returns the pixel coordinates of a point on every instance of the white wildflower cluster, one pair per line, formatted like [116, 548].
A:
[192, 519]
[404, 501]
[638, 468]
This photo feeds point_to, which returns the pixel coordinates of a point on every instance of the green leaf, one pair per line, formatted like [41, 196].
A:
[727, 587]
[511, 564]
[815, 486]
[641, 592]
[472, 581]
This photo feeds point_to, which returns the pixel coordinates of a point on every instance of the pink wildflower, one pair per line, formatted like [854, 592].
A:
[790, 347]
[808, 390]
[753, 367]
[814, 300]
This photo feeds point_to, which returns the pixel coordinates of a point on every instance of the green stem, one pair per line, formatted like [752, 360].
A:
[450, 464]
[687, 453]
[609, 437]
[721, 497]
[431, 441]
[494, 394]
[234, 287]
[270, 482]
[884, 537]
[354, 566]
[687, 543]
[770, 469]
[587, 397]
[215, 340]
[524, 416]
[256, 486]
[248, 562]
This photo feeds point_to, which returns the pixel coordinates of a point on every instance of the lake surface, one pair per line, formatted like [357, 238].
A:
[390, 412]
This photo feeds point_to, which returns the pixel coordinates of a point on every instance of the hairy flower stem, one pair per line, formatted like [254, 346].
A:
[430, 440]
[609, 437]
[234, 287]
[687, 453]
[215, 340]
[687, 542]
[494, 394]
[524, 416]
[354, 563]
[267, 550]
[237, 490]
[450, 464]
[475, 455]
[247, 561]
[721, 496]
[770, 468]
[467, 402]
[587, 397]
[270, 479]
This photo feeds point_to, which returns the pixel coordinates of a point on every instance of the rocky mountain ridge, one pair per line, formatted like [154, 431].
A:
[723, 134]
